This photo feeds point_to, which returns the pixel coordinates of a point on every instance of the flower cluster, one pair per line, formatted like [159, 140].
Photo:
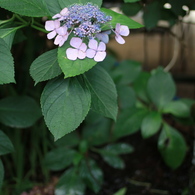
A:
[84, 22]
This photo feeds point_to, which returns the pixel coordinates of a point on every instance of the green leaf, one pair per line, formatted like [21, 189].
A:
[70, 183]
[177, 108]
[6, 64]
[140, 86]
[126, 72]
[5, 144]
[113, 160]
[71, 68]
[33, 8]
[129, 122]
[97, 133]
[122, 191]
[7, 34]
[70, 140]
[130, 1]
[161, 88]
[66, 3]
[152, 14]
[127, 96]
[131, 9]
[118, 148]
[1, 173]
[45, 67]
[151, 124]
[19, 112]
[119, 18]
[65, 103]
[103, 92]
[59, 158]
[53, 7]
[172, 146]
[92, 174]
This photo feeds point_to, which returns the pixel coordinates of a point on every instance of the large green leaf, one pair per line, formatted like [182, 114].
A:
[129, 122]
[59, 158]
[92, 174]
[5, 144]
[53, 7]
[1, 173]
[177, 108]
[172, 146]
[71, 68]
[6, 64]
[151, 124]
[70, 183]
[33, 8]
[65, 103]
[103, 92]
[19, 112]
[130, 1]
[45, 67]
[161, 88]
[120, 18]
[7, 34]
[70, 2]
[131, 9]
[122, 191]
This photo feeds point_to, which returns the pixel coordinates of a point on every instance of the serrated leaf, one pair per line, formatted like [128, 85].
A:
[6, 64]
[172, 146]
[161, 88]
[120, 18]
[45, 67]
[177, 108]
[103, 92]
[7, 34]
[151, 124]
[1, 173]
[65, 103]
[59, 158]
[72, 68]
[66, 3]
[6, 145]
[70, 183]
[92, 174]
[129, 122]
[33, 8]
[19, 112]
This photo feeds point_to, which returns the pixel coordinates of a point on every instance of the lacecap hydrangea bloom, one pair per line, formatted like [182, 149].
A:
[84, 23]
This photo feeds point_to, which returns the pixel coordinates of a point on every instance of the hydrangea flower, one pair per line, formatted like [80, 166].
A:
[121, 30]
[84, 22]
[79, 50]
[96, 51]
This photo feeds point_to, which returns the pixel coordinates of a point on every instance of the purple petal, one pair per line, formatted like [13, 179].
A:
[93, 44]
[83, 47]
[76, 42]
[81, 54]
[64, 12]
[57, 24]
[51, 35]
[100, 56]
[117, 28]
[119, 39]
[102, 46]
[49, 25]
[56, 16]
[90, 53]
[72, 54]
[124, 30]
[62, 30]
[59, 40]
[102, 37]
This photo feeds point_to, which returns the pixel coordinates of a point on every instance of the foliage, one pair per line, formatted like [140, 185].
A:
[82, 95]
